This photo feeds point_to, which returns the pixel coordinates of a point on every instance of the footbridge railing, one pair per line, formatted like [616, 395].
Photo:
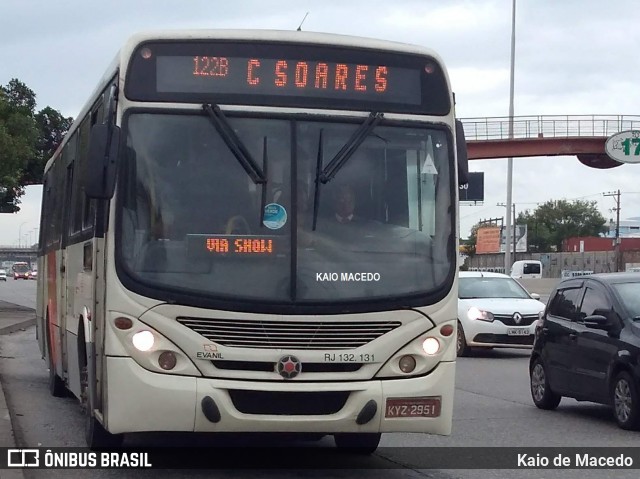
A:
[548, 126]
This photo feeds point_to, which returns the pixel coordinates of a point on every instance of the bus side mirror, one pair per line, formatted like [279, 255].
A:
[102, 161]
[461, 151]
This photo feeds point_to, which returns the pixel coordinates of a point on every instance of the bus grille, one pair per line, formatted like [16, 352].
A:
[288, 403]
[289, 335]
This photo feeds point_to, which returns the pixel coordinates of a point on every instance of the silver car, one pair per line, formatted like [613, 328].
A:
[495, 311]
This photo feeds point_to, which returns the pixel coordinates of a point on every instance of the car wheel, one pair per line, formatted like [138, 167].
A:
[625, 401]
[462, 349]
[359, 443]
[541, 392]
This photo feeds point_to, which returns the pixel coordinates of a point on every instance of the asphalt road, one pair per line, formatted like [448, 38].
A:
[21, 292]
[492, 408]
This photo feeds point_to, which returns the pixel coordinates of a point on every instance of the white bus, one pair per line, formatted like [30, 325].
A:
[256, 231]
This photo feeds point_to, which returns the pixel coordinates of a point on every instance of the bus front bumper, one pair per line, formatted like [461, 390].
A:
[139, 400]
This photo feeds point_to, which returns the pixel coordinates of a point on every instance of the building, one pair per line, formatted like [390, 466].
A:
[629, 228]
[594, 243]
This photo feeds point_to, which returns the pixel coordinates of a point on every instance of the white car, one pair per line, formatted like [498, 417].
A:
[495, 311]
[3, 274]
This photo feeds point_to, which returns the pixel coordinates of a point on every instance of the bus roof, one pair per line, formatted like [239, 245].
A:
[286, 36]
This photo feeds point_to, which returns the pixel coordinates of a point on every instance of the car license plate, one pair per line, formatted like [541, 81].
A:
[518, 332]
[413, 407]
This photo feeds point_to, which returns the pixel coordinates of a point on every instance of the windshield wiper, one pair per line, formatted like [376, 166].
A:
[235, 143]
[324, 175]
[316, 193]
[350, 147]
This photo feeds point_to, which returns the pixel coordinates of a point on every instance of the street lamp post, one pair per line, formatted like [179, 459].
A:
[507, 252]
[20, 233]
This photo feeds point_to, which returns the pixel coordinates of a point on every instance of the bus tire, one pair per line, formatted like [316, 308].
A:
[96, 436]
[358, 443]
[57, 388]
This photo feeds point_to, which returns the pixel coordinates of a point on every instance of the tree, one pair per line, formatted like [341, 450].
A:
[52, 127]
[468, 246]
[557, 220]
[27, 140]
[18, 136]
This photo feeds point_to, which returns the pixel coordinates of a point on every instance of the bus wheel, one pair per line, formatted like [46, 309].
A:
[95, 434]
[359, 443]
[57, 387]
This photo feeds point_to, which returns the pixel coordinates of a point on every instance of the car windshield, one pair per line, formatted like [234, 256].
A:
[20, 268]
[629, 294]
[487, 287]
[193, 219]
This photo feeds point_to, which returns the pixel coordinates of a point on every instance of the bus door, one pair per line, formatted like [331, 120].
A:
[66, 289]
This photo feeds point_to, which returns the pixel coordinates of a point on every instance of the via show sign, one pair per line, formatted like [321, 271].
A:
[624, 146]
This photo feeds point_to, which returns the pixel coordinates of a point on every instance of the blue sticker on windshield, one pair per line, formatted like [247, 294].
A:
[275, 216]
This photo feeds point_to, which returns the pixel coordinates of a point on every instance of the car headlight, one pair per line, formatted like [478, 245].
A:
[475, 313]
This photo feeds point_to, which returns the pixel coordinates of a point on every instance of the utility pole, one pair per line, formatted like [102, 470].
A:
[618, 256]
[507, 255]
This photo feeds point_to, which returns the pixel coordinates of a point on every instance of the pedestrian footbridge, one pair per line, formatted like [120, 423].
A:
[583, 136]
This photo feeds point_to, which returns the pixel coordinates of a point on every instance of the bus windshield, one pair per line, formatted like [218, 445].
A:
[191, 219]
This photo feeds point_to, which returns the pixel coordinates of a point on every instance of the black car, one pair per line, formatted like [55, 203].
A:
[587, 345]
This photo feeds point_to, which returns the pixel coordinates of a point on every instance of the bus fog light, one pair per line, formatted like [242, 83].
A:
[143, 340]
[407, 364]
[167, 360]
[431, 346]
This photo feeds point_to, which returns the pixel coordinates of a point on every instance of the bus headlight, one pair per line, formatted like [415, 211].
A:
[143, 340]
[423, 353]
[128, 336]
[431, 346]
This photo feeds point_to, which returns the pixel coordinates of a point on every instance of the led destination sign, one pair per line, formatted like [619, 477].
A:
[287, 74]
[240, 245]
[232, 245]
[277, 76]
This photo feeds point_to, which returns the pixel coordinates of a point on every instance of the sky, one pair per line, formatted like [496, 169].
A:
[572, 57]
